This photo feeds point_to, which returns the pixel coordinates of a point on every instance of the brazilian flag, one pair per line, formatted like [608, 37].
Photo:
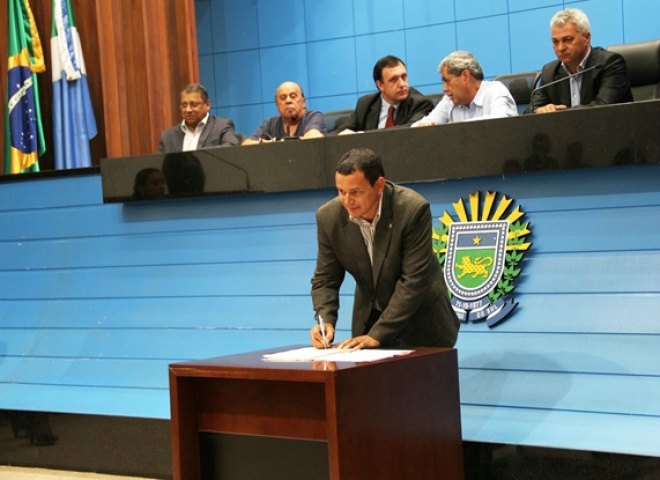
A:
[24, 138]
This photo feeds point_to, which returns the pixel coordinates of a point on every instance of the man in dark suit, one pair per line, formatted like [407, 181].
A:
[198, 129]
[381, 234]
[606, 84]
[394, 104]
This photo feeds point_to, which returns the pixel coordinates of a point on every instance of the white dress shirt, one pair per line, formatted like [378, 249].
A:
[191, 138]
[493, 100]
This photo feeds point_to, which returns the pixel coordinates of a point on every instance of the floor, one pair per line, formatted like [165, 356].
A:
[21, 473]
[510, 462]
[125, 447]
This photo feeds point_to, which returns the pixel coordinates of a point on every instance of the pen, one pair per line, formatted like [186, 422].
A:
[322, 327]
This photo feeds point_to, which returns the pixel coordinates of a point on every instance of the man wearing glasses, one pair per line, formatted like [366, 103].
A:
[198, 129]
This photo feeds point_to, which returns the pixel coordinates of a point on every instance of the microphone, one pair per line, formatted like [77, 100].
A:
[289, 117]
[559, 80]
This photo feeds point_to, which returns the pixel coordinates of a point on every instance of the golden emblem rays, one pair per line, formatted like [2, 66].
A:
[489, 212]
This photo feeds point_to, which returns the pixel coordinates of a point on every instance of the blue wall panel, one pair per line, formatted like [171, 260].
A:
[278, 22]
[640, 20]
[373, 16]
[520, 5]
[234, 25]
[333, 45]
[572, 430]
[205, 44]
[327, 19]
[96, 300]
[336, 77]
[480, 8]
[420, 13]
[238, 78]
[606, 21]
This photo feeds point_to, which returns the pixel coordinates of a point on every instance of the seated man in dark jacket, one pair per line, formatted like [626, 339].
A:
[394, 104]
[605, 78]
[198, 129]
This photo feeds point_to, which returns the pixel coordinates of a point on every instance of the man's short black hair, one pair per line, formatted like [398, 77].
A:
[385, 62]
[196, 88]
[364, 160]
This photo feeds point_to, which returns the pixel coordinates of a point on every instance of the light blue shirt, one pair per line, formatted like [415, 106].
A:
[576, 81]
[493, 100]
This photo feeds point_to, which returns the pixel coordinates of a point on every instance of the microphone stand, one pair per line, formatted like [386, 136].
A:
[559, 80]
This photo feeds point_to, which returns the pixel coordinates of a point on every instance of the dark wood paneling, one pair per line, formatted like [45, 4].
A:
[142, 72]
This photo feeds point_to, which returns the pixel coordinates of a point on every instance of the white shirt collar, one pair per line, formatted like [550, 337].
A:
[185, 128]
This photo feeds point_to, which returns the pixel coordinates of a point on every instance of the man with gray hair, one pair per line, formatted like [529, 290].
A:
[467, 95]
[605, 77]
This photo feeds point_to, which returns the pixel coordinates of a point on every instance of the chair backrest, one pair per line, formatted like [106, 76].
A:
[643, 64]
[436, 97]
[521, 86]
[335, 118]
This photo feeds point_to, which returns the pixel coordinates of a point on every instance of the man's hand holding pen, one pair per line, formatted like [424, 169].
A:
[322, 334]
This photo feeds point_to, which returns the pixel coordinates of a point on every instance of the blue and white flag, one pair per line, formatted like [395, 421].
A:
[73, 118]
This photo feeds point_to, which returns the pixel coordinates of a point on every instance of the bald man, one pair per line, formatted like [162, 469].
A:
[293, 121]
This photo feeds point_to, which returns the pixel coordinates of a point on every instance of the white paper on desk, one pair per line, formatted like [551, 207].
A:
[305, 354]
[310, 354]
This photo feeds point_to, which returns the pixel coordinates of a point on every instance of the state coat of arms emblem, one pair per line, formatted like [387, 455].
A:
[481, 254]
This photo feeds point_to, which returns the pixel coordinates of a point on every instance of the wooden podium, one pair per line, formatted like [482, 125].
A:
[397, 418]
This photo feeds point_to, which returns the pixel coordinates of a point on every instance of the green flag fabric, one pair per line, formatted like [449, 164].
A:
[24, 138]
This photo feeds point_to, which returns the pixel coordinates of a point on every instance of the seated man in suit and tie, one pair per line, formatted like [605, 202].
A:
[293, 121]
[605, 78]
[198, 129]
[467, 95]
[380, 233]
[395, 103]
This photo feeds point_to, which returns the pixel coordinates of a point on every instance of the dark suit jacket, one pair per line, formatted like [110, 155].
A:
[218, 132]
[602, 86]
[406, 279]
[366, 113]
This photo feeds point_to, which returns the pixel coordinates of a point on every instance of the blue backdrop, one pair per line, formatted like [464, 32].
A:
[248, 47]
[97, 299]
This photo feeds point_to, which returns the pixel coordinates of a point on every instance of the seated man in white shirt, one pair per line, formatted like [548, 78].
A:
[467, 95]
